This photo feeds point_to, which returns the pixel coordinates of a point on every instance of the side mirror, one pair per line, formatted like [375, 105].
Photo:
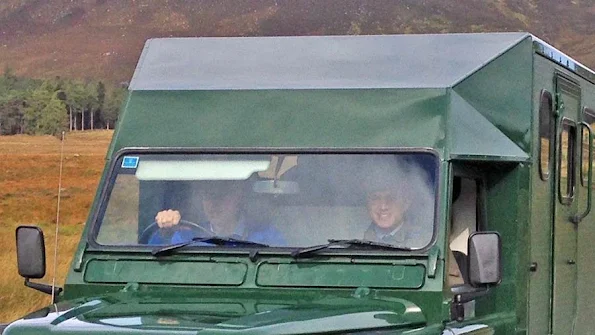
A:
[484, 260]
[30, 252]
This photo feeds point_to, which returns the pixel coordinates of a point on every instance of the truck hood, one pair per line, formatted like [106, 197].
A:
[122, 315]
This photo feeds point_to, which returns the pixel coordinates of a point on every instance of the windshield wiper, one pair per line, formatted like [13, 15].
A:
[302, 252]
[216, 240]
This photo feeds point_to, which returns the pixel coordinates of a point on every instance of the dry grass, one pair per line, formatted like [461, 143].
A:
[29, 173]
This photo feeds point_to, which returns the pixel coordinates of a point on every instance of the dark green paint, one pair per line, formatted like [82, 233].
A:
[315, 119]
[564, 294]
[220, 313]
[283, 119]
[541, 213]
[313, 274]
[175, 272]
[550, 218]
[501, 93]
[481, 140]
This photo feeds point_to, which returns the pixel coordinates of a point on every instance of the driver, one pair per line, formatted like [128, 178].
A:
[222, 205]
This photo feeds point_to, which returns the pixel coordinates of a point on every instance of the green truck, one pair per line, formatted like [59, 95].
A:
[395, 184]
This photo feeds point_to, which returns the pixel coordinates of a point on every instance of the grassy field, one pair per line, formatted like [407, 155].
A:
[29, 174]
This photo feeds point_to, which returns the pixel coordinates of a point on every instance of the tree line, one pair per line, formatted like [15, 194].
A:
[39, 107]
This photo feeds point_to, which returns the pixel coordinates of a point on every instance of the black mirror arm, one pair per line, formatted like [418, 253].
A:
[465, 293]
[45, 288]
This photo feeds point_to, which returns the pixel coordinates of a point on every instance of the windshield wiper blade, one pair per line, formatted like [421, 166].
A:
[373, 244]
[216, 240]
[346, 244]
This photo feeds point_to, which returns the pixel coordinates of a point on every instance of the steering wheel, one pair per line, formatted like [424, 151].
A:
[167, 233]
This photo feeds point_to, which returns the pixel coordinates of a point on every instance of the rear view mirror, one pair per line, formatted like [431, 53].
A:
[484, 259]
[30, 252]
[276, 187]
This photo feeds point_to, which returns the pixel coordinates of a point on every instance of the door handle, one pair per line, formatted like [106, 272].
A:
[578, 217]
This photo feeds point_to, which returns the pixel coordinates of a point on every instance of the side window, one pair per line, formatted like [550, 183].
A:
[589, 118]
[567, 180]
[545, 133]
[465, 217]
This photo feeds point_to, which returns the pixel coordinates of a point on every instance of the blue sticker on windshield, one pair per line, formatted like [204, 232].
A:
[130, 162]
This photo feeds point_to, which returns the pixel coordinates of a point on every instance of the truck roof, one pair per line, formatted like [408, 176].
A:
[468, 96]
[317, 62]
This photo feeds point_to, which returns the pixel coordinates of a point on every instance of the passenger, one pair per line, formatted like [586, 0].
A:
[389, 201]
[222, 205]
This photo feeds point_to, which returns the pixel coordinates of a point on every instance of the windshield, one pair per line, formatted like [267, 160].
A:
[276, 200]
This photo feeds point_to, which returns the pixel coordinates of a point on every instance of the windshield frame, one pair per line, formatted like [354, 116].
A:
[106, 187]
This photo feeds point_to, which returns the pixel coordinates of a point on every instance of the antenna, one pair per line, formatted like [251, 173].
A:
[57, 219]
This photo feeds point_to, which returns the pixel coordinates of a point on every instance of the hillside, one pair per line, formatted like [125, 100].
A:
[102, 39]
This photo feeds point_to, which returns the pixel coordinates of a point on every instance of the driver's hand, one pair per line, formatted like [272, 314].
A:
[167, 218]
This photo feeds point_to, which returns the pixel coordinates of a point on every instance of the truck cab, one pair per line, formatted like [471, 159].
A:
[334, 184]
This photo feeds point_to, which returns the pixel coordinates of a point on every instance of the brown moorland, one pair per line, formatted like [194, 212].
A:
[102, 39]
[29, 175]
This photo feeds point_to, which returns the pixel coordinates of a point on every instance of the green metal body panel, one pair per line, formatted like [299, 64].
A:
[565, 232]
[585, 323]
[222, 312]
[278, 119]
[499, 93]
[480, 114]
[134, 271]
[540, 282]
[559, 293]
[313, 274]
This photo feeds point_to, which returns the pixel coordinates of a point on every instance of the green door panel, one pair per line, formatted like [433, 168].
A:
[540, 275]
[175, 272]
[565, 207]
[312, 274]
